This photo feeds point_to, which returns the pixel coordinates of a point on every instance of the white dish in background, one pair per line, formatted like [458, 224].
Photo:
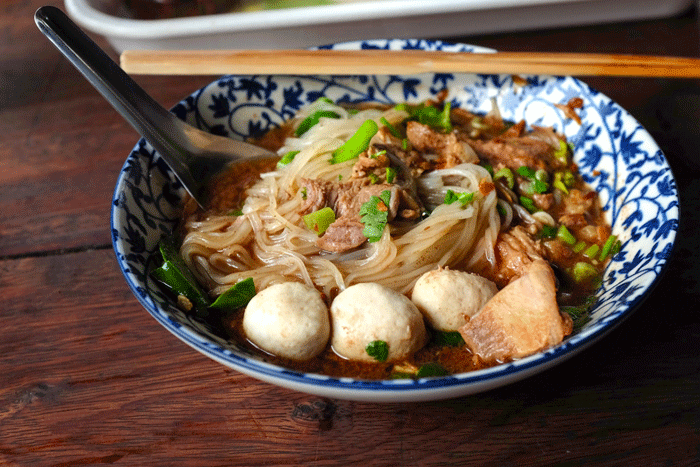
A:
[306, 26]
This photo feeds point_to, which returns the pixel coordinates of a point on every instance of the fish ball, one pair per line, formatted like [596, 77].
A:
[368, 312]
[448, 298]
[289, 320]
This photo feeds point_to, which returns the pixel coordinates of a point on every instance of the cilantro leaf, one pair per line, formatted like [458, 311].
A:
[374, 214]
[379, 350]
[431, 370]
[448, 338]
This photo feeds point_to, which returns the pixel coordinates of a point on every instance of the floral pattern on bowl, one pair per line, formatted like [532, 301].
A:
[614, 154]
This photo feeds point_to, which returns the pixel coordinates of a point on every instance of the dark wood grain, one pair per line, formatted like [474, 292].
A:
[87, 377]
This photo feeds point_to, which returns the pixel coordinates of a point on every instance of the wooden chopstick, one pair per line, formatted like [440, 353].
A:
[384, 62]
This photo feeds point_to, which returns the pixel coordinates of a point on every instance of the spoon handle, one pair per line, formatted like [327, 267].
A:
[158, 126]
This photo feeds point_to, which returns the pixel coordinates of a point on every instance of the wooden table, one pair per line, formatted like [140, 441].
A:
[88, 377]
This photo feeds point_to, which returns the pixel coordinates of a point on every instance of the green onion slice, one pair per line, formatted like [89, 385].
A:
[565, 236]
[357, 143]
[286, 159]
[318, 221]
[312, 120]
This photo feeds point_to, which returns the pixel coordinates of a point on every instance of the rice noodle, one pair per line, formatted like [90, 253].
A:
[270, 243]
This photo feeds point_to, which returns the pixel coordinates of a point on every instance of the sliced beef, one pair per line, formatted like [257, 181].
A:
[342, 235]
[350, 198]
[315, 194]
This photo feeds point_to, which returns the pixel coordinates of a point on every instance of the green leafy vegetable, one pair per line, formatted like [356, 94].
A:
[174, 274]
[318, 221]
[580, 313]
[374, 214]
[526, 172]
[548, 231]
[430, 370]
[538, 179]
[448, 338]
[431, 116]
[357, 143]
[236, 297]
[378, 350]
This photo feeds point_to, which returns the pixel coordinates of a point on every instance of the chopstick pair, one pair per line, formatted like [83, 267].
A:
[386, 62]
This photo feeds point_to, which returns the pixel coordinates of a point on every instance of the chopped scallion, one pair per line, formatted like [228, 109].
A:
[286, 159]
[318, 221]
[583, 272]
[579, 247]
[507, 174]
[390, 174]
[565, 236]
[528, 204]
[607, 247]
[312, 120]
[392, 129]
[561, 152]
[591, 251]
[357, 143]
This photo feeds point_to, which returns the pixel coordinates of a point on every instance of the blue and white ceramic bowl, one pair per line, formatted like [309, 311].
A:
[614, 153]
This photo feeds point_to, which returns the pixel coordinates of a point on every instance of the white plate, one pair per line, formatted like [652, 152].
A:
[614, 154]
[307, 26]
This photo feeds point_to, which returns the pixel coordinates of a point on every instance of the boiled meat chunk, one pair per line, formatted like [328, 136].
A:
[520, 320]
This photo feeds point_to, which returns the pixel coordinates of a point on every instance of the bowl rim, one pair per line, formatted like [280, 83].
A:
[400, 390]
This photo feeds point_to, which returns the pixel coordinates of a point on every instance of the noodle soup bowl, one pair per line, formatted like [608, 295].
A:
[613, 152]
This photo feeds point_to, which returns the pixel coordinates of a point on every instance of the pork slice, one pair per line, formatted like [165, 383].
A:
[515, 250]
[342, 235]
[521, 319]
